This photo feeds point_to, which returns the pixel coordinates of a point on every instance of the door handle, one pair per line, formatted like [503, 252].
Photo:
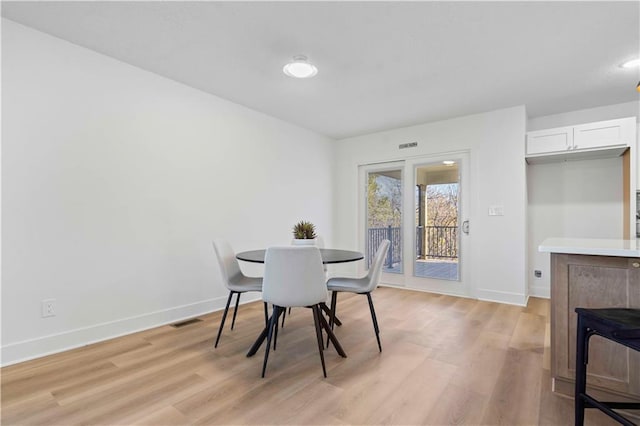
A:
[465, 227]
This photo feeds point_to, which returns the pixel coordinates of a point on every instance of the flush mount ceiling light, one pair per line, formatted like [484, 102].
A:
[448, 162]
[634, 63]
[300, 67]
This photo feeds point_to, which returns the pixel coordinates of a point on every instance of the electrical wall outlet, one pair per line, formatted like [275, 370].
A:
[48, 308]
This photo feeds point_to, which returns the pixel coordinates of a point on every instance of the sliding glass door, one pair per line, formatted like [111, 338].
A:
[421, 206]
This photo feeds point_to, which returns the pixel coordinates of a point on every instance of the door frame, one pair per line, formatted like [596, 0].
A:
[462, 286]
[465, 286]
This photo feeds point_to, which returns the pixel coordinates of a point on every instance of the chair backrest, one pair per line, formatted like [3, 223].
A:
[227, 261]
[375, 271]
[293, 276]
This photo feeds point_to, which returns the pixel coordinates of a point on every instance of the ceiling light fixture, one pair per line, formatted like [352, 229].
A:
[634, 63]
[300, 67]
[448, 162]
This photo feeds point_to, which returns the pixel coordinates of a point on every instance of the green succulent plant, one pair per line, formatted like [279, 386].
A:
[304, 230]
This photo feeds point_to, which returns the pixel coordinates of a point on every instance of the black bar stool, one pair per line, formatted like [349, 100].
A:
[619, 325]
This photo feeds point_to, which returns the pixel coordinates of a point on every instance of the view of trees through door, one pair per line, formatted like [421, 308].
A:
[437, 209]
[384, 216]
[420, 205]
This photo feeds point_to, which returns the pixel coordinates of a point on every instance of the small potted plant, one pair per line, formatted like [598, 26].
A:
[304, 233]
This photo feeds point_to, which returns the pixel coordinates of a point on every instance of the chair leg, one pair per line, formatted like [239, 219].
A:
[375, 321]
[272, 324]
[224, 317]
[281, 311]
[316, 321]
[581, 372]
[332, 317]
[284, 314]
[266, 315]
[235, 311]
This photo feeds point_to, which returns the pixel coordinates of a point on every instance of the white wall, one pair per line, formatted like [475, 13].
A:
[581, 199]
[606, 112]
[495, 141]
[115, 181]
[573, 199]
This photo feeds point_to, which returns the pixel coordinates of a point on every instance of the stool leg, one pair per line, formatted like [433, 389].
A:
[581, 371]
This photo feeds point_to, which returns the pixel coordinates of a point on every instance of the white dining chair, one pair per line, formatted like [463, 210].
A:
[293, 277]
[318, 242]
[364, 285]
[234, 280]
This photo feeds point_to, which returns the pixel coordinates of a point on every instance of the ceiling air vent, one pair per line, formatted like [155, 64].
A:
[408, 145]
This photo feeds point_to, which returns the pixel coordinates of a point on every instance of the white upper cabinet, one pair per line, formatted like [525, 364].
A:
[604, 133]
[604, 139]
[551, 140]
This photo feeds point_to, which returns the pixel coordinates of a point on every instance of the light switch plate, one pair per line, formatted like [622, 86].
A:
[497, 210]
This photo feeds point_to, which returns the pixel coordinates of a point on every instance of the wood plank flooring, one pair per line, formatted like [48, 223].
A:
[445, 360]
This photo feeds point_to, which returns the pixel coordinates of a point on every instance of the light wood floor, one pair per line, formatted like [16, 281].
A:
[445, 360]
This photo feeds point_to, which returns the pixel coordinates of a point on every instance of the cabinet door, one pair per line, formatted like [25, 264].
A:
[550, 140]
[604, 134]
[594, 282]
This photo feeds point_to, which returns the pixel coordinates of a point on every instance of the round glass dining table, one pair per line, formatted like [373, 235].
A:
[329, 256]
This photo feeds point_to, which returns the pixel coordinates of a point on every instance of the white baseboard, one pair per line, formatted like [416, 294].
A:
[502, 297]
[422, 290]
[485, 295]
[542, 291]
[26, 350]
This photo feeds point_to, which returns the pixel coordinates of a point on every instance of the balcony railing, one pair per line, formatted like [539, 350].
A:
[441, 242]
[375, 237]
[432, 242]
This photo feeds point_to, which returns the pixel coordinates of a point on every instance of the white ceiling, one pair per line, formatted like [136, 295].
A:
[381, 65]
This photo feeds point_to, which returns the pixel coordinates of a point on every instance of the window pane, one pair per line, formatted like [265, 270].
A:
[437, 195]
[384, 216]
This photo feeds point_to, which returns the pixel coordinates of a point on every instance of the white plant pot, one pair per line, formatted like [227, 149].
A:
[304, 242]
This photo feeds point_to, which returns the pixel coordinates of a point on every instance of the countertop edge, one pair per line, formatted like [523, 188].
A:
[593, 247]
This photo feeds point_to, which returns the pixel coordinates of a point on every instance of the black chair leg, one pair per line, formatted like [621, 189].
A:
[272, 324]
[332, 317]
[334, 306]
[281, 311]
[266, 315]
[284, 314]
[224, 317]
[316, 321]
[375, 321]
[235, 311]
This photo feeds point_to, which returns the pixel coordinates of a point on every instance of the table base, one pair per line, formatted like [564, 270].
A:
[323, 322]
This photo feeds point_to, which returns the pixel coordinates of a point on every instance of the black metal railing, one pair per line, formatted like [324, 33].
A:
[437, 242]
[432, 242]
[375, 237]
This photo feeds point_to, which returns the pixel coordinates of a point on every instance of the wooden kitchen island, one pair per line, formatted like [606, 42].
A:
[591, 273]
